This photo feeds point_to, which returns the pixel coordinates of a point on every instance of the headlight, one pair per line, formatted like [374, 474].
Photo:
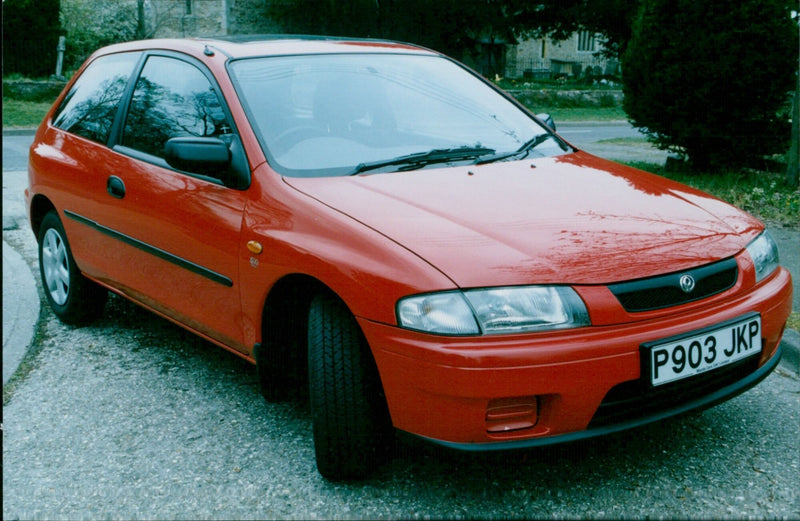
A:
[764, 252]
[505, 310]
[443, 313]
[494, 310]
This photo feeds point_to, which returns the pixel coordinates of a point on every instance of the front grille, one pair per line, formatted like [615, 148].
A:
[665, 290]
[637, 399]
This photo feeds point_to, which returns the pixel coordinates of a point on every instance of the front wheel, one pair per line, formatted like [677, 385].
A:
[352, 429]
[73, 298]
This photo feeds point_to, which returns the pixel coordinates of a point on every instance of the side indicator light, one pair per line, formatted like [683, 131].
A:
[255, 247]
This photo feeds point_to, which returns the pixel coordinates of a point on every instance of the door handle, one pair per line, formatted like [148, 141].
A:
[115, 187]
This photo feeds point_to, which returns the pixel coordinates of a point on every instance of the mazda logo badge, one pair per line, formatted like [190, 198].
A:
[687, 283]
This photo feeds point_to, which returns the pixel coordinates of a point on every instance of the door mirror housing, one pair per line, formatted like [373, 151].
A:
[202, 155]
[547, 119]
[210, 157]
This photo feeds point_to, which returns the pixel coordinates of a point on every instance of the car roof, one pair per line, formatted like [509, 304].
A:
[247, 46]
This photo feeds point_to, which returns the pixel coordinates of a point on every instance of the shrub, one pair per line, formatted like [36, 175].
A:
[90, 25]
[711, 79]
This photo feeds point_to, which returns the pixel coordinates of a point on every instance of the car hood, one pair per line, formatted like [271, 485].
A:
[574, 219]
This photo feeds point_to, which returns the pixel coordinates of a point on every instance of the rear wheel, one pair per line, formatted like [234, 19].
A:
[352, 429]
[72, 297]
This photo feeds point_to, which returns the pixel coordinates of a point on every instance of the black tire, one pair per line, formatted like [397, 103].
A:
[352, 429]
[72, 297]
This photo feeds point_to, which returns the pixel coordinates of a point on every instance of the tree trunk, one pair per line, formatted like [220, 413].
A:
[140, 22]
[793, 169]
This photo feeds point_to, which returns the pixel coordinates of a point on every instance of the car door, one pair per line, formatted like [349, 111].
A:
[176, 233]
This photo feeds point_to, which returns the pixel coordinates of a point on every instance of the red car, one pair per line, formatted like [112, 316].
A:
[378, 222]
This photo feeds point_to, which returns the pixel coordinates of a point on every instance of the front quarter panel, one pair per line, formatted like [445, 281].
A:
[300, 235]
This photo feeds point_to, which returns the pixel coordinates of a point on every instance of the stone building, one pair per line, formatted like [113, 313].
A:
[214, 18]
[576, 56]
[166, 18]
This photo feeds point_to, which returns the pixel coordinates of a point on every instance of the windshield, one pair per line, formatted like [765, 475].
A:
[329, 115]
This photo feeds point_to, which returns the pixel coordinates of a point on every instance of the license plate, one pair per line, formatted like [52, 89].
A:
[675, 358]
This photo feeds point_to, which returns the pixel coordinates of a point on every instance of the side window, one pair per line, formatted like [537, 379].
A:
[89, 108]
[172, 98]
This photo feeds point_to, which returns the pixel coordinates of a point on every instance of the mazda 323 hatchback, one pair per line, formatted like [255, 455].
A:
[377, 222]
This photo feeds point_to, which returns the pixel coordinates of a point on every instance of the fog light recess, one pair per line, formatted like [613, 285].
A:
[511, 414]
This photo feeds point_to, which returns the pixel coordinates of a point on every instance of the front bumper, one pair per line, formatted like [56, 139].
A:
[548, 387]
[703, 402]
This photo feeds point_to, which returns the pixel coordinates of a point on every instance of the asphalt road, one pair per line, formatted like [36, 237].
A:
[579, 133]
[133, 418]
[15, 151]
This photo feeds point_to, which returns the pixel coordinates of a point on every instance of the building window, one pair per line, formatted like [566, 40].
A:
[585, 41]
[189, 6]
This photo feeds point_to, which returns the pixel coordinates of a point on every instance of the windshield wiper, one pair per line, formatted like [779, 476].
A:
[526, 147]
[421, 159]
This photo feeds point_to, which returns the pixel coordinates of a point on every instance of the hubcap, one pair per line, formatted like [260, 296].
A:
[55, 266]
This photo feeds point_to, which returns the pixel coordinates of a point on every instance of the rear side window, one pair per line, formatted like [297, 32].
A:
[172, 98]
[89, 108]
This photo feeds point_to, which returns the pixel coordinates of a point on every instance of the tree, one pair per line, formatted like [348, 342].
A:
[793, 163]
[91, 24]
[793, 166]
[559, 19]
[710, 79]
[30, 36]
[449, 26]
[457, 26]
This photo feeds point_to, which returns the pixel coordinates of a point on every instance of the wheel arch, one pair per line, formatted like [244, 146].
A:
[281, 356]
[40, 206]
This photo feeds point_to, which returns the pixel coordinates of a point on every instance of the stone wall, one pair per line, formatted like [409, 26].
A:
[32, 90]
[568, 98]
[169, 18]
[218, 18]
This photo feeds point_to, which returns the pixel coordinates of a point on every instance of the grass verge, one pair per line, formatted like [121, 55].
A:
[23, 114]
[561, 114]
[627, 141]
[794, 321]
[763, 194]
